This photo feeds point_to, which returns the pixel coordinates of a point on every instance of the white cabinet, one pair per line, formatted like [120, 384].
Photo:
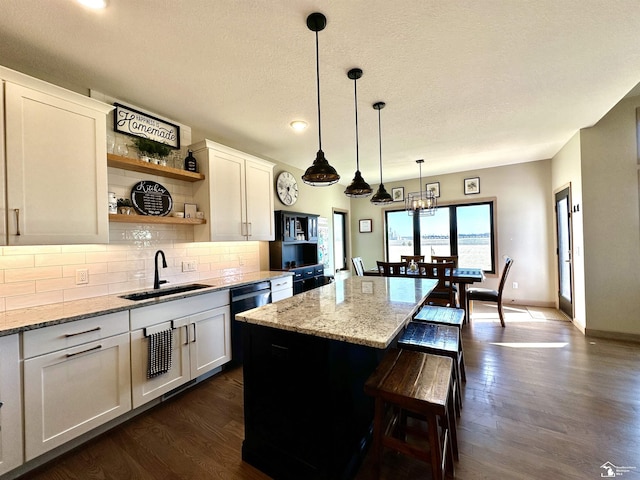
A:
[238, 197]
[55, 157]
[10, 404]
[201, 341]
[76, 377]
[281, 288]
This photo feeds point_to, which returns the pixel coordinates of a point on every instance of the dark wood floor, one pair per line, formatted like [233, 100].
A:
[541, 402]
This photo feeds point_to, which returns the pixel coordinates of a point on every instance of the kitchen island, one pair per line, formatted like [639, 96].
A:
[306, 360]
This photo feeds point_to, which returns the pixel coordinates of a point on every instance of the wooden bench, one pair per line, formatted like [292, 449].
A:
[437, 340]
[409, 382]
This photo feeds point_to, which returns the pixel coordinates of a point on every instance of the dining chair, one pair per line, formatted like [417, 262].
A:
[488, 295]
[446, 258]
[392, 269]
[443, 294]
[409, 258]
[358, 265]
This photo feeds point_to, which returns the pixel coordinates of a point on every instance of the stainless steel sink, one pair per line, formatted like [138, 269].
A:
[164, 291]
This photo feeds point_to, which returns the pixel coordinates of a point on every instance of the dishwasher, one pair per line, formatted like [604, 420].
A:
[242, 299]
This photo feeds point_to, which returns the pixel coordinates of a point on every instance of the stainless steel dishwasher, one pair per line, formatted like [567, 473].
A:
[242, 299]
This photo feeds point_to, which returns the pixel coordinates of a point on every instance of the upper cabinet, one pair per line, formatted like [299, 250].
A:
[56, 171]
[237, 199]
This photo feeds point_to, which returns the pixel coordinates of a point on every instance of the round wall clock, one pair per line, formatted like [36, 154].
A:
[287, 188]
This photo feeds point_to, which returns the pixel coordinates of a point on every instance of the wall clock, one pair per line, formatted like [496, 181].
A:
[287, 188]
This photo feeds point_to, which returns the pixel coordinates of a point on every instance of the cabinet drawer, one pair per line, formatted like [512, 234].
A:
[65, 335]
[281, 284]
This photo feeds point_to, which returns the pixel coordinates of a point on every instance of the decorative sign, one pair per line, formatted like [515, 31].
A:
[151, 198]
[132, 122]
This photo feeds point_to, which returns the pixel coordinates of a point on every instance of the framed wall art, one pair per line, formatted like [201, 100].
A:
[471, 185]
[397, 194]
[366, 225]
[435, 188]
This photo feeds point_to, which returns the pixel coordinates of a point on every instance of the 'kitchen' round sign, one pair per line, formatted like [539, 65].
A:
[151, 198]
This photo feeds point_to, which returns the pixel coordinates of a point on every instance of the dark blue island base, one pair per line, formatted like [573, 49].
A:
[306, 414]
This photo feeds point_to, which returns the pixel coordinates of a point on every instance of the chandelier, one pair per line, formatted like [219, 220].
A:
[423, 203]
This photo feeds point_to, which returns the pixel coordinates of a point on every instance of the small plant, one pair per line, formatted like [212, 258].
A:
[151, 147]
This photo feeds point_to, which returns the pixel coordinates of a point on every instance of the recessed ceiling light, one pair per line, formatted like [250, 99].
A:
[299, 125]
[95, 4]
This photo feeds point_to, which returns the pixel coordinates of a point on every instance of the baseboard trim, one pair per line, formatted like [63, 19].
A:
[621, 336]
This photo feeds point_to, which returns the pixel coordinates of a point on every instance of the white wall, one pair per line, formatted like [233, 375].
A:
[524, 223]
[566, 170]
[611, 215]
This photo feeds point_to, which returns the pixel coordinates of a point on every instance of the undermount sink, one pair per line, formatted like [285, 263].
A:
[164, 291]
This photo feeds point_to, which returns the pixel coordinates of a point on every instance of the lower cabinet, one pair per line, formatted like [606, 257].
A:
[76, 377]
[281, 288]
[201, 342]
[10, 404]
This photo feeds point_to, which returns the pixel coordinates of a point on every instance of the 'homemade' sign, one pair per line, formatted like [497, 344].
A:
[132, 122]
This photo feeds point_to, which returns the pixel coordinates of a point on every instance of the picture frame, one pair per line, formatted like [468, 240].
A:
[397, 194]
[471, 185]
[366, 225]
[190, 210]
[434, 187]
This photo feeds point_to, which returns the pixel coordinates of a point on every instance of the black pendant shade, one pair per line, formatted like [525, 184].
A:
[358, 188]
[381, 197]
[320, 174]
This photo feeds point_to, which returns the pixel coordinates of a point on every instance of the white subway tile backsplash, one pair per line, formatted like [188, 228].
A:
[33, 276]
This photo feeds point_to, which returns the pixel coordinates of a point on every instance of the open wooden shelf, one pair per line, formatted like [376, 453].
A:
[135, 165]
[156, 220]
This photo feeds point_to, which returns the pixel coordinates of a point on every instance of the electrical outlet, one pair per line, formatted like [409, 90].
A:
[515, 285]
[189, 266]
[82, 276]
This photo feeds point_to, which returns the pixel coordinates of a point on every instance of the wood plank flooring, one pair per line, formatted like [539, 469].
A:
[541, 402]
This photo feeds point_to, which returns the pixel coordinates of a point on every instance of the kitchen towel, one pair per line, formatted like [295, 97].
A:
[160, 349]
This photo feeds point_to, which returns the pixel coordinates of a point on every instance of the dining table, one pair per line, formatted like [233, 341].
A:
[461, 276]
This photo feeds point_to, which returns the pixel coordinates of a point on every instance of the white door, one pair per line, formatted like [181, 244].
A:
[209, 340]
[69, 392]
[228, 211]
[145, 389]
[564, 251]
[56, 170]
[259, 191]
[11, 407]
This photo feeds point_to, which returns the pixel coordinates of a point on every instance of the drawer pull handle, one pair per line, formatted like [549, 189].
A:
[98, 347]
[82, 333]
[17, 210]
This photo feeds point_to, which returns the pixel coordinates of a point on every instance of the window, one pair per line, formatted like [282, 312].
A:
[465, 230]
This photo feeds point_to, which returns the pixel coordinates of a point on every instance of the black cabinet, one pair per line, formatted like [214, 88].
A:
[296, 249]
[306, 414]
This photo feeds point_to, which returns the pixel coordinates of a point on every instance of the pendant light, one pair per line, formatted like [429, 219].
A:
[358, 187]
[320, 174]
[381, 197]
[421, 203]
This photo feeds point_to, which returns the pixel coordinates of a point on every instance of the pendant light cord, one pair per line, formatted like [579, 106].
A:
[355, 101]
[380, 144]
[318, 89]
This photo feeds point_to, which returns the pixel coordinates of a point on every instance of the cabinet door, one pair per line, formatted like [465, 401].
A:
[228, 213]
[209, 340]
[3, 206]
[11, 406]
[144, 389]
[56, 169]
[69, 392]
[259, 191]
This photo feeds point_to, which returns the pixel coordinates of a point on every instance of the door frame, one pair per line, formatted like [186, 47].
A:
[346, 239]
[559, 302]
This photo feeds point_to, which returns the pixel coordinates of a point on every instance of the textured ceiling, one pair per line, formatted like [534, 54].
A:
[468, 84]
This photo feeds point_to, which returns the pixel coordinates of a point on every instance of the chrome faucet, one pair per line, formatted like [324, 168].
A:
[156, 279]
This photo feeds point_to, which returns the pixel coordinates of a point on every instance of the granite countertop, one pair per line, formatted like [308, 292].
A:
[367, 311]
[14, 321]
